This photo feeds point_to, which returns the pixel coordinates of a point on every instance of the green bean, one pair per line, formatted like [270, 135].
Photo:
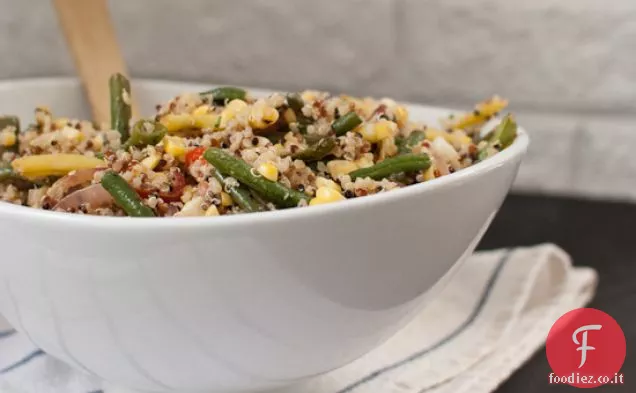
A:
[488, 137]
[401, 177]
[313, 138]
[271, 191]
[5, 171]
[222, 94]
[415, 138]
[10, 121]
[302, 128]
[144, 133]
[505, 133]
[259, 199]
[313, 165]
[8, 175]
[125, 196]
[13, 121]
[346, 123]
[274, 137]
[239, 194]
[405, 145]
[482, 154]
[120, 111]
[501, 137]
[400, 143]
[295, 102]
[99, 155]
[316, 151]
[404, 163]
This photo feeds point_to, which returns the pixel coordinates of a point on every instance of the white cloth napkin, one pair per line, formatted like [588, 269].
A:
[490, 318]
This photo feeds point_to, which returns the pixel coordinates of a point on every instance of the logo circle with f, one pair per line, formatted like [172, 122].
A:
[586, 348]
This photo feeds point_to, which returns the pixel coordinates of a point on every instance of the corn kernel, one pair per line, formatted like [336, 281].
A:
[367, 131]
[201, 110]
[232, 109]
[482, 112]
[262, 117]
[192, 208]
[432, 133]
[98, 142]
[365, 161]
[180, 122]
[270, 115]
[429, 174]
[60, 123]
[151, 161]
[237, 106]
[401, 116]
[385, 129]
[226, 199]
[209, 120]
[388, 148]
[309, 95]
[268, 171]
[375, 132]
[280, 149]
[226, 116]
[322, 182]
[7, 138]
[72, 134]
[188, 193]
[326, 195]
[338, 168]
[212, 211]
[290, 116]
[456, 138]
[175, 146]
[460, 138]
[389, 102]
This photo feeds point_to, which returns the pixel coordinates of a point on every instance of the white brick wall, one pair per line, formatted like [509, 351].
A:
[606, 159]
[543, 54]
[568, 66]
[549, 164]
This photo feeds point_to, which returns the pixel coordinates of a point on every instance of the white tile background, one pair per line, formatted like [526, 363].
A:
[568, 66]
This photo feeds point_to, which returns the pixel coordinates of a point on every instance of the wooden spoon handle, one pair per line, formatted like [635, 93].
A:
[92, 40]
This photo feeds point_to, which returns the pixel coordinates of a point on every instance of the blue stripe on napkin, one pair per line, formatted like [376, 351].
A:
[22, 361]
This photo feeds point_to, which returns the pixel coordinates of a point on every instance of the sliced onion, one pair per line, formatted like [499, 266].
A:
[71, 181]
[92, 197]
[446, 153]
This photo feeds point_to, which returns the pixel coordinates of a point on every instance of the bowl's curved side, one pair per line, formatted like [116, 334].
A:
[238, 307]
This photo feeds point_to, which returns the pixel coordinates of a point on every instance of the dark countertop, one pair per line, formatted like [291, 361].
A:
[598, 234]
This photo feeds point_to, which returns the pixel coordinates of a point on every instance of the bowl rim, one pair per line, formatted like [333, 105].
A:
[512, 153]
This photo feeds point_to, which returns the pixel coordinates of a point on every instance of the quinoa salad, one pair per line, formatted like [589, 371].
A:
[223, 151]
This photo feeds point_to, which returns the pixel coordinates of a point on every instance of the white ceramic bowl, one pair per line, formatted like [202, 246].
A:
[233, 303]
